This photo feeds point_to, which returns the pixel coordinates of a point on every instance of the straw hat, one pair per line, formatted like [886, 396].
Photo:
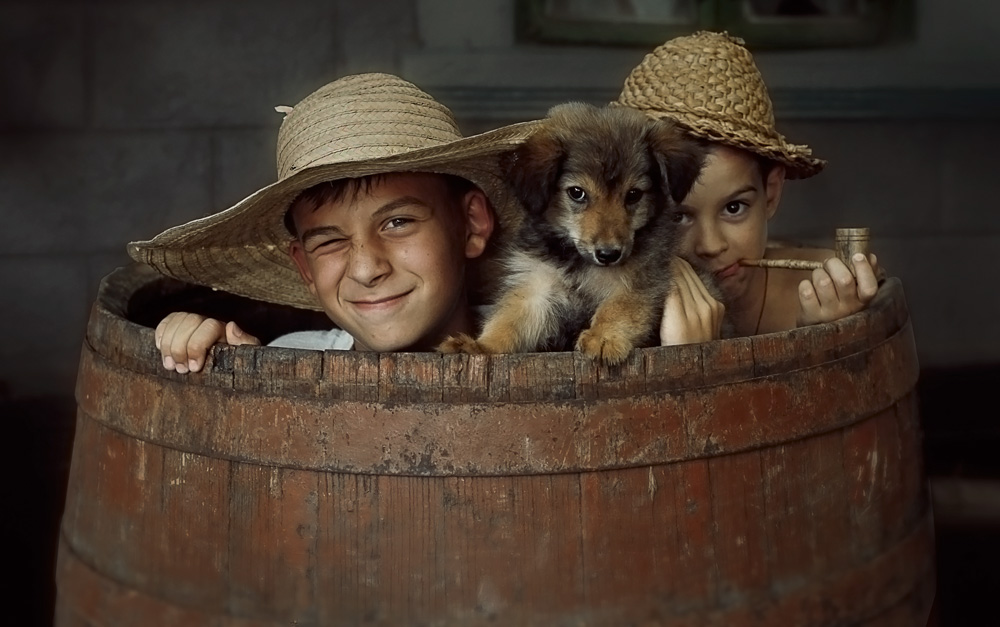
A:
[355, 126]
[709, 83]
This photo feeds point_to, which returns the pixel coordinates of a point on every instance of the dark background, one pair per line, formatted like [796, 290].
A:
[119, 119]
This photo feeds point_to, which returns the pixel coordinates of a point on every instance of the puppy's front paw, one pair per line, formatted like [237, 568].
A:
[461, 343]
[609, 349]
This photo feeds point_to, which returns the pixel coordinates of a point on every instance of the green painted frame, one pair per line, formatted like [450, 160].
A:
[533, 25]
[885, 21]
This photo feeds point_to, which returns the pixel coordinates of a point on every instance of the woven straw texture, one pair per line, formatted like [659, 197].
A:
[355, 126]
[709, 83]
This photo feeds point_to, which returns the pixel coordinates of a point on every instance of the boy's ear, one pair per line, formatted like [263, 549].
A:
[679, 156]
[479, 222]
[532, 169]
[772, 187]
[298, 255]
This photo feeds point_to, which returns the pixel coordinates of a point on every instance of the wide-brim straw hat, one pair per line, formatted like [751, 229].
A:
[708, 82]
[356, 126]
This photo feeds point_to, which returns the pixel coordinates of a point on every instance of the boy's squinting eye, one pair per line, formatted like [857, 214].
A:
[325, 245]
[576, 194]
[633, 196]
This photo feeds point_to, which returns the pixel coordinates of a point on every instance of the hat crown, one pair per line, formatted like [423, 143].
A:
[359, 118]
[708, 83]
[707, 77]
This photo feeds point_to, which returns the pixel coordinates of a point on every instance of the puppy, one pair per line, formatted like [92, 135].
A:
[590, 265]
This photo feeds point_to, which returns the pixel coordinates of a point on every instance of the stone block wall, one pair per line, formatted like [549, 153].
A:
[119, 119]
[924, 189]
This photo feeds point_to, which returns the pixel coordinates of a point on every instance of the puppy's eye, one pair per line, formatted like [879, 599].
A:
[681, 218]
[576, 194]
[633, 196]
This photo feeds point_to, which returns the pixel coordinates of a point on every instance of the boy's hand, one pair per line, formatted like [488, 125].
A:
[184, 339]
[691, 314]
[834, 293]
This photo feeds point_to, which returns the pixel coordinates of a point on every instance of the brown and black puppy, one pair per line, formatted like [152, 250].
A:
[590, 266]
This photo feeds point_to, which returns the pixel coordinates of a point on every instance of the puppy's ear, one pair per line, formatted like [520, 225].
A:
[679, 156]
[532, 170]
[571, 112]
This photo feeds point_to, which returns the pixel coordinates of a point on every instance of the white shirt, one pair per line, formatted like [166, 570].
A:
[332, 340]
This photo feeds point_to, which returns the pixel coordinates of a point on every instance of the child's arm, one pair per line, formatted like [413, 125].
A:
[833, 292]
[691, 314]
[183, 339]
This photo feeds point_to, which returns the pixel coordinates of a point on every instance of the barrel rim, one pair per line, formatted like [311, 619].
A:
[528, 377]
[495, 439]
[410, 413]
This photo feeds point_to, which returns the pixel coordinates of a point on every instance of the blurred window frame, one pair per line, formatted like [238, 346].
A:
[878, 22]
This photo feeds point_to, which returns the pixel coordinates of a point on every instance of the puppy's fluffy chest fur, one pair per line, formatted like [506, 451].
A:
[558, 283]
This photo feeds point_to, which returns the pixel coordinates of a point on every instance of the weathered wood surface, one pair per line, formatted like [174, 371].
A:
[773, 480]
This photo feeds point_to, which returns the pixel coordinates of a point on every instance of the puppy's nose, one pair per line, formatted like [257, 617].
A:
[607, 256]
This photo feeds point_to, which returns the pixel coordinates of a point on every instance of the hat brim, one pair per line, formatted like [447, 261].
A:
[796, 158]
[244, 249]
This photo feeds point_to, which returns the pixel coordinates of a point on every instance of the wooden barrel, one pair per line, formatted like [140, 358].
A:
[772, 480]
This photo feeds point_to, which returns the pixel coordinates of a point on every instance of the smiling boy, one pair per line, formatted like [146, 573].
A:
[387, 261]
[379, 206]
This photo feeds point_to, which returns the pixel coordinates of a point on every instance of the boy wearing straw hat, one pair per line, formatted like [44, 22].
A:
[379, 205]
[708, 82]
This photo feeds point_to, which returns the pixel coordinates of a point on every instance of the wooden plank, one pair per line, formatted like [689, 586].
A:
[87, 597]
[863, 470]
[740, 535]
[546, 515]
[628, 432]
[350, 376]
[624, 380]
[696, 576]
[776, 353]
[913, 482]
[541, 377]
[510, 547]
[826, 499]
[623, 567]
[82, 478]
[585, 373]
[671, 368]
[187, 555]
[499, 383]
[805, 504]
[480, 550]
[415, 583]
[277, 371]
[272, 548]
[892, 496]
[410, 378]
[727, 360]
[138, 554]
[465, 378]
[351, 579]
[726, 418]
